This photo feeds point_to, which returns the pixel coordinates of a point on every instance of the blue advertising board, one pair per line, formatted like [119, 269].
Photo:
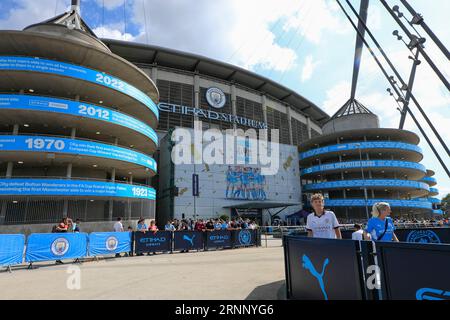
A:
[75, 147]
[56, 246]
[365, 164]
[244, 237]
[78, 72]
[218, 239]
[361, 145]
[44, 187]
[188, 240]
[11, 249]
[322, 269]
[371, 202]
[75, 108]
[103, 243]
[414, 271]
[146, 242]
[366, 183]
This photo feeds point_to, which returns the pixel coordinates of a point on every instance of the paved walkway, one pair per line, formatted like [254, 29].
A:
[253, 273]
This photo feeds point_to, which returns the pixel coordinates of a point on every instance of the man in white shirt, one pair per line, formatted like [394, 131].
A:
[118, 227]
[358, 234]
[322, 223]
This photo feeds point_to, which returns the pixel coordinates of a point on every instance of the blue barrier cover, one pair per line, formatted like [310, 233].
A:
[62, 187]
[11, 249]
[74, 71]
[75, 108]
[56, 246]
[75, 147]
[188, 240]
[102, 243]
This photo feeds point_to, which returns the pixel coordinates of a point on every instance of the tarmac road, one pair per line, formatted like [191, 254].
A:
[248, 273]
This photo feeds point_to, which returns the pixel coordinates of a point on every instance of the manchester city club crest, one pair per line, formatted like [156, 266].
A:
[216, 98]
[423, 236]
[60, 247]
[245, 237]
[112, 243]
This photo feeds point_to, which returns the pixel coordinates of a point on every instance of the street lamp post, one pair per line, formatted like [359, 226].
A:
[364, 180]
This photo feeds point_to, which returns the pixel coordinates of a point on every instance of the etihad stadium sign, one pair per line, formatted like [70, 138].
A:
[210, 114]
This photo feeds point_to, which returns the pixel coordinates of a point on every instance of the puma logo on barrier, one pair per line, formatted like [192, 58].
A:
[191, 240]
[308, 265]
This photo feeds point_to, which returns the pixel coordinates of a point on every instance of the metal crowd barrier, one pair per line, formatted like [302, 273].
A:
[326, 269]
[14, 250]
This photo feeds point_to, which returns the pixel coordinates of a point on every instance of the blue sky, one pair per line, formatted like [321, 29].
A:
[307, 45]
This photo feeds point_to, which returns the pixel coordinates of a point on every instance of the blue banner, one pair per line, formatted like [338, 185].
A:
[371, 202]
[11, 249]
[44, 187]
[75, 147]
[103, 243]
[147, 242]
[366, 183]
[365, 164]
[362, 146]
[75, 108]
[218, 239]
[244, 237]
[78, 72]
[188, 240]
[56, 246]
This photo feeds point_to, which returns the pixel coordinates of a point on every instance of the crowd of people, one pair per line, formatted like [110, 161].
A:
[322, 223]
[199, 224]
[68, 225]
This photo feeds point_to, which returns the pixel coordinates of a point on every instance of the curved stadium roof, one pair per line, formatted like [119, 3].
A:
[150, 54]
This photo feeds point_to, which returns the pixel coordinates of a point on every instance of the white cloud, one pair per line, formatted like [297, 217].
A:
[336, 96]
[316, 19]
[110, 4]
[27, 12]
[113, 33]
[308, 68]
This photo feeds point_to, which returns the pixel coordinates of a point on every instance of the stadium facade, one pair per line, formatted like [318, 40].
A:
[77, 127]
[82, 121]
[356, 168]
[187, 83]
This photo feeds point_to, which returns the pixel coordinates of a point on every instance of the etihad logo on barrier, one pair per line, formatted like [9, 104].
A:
[153, 240]
[308, 265]
[219, 238]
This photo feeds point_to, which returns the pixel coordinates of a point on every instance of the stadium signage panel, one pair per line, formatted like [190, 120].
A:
[75, 108]
[77, 72]
[82, 188]
[370, 202]
[367, 183]
[76, 147]
[210, 114]
[366, 164]
[360, 145]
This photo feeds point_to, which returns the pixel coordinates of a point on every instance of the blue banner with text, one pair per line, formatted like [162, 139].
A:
[78, 72]
[146, 242]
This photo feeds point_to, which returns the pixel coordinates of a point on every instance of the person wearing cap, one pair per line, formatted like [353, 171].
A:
[380, 227]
